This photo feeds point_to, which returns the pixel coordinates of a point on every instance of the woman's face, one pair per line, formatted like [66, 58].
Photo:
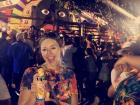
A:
[50, 51]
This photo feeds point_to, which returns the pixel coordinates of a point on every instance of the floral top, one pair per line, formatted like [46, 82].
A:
[58, 86]
[128, 91]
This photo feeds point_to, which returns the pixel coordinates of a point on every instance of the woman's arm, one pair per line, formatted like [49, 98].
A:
[27, 89]
[74, 91]
[134, 61]
[26, 97]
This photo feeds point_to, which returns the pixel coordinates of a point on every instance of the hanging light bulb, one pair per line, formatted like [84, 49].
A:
[45, 11]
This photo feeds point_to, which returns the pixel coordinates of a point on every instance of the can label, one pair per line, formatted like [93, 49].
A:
[39, 102]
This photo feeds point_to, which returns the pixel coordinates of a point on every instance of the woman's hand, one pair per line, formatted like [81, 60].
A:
[122, 60]
[130, 102]
[123, 67]
[134, 61]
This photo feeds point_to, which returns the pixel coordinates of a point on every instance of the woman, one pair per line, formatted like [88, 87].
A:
[125, 80]
[91, 76]
[49, 82]
[127, 91]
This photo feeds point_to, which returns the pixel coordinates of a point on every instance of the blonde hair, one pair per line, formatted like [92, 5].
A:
[44, 38]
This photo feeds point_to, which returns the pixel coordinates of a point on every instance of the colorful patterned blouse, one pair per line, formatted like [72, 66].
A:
[128, 91]
[58, 86]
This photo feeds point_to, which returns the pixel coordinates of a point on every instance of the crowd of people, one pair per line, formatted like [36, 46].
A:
[66, 70]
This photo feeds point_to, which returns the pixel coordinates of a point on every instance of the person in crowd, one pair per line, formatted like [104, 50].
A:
[5, 98]
[104, 61]
[20, 55]
[27, 40]
[50, 81]
[78, 60]
[67, 52]
[91, 77]
[33, 33]
[4, 59]
[125, 78]
[12, 36]
[90, 43]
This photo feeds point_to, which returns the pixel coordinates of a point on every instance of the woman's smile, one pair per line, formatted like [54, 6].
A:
[50, 58]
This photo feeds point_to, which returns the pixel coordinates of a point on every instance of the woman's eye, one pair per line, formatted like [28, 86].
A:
[44, 49]
[53, 48]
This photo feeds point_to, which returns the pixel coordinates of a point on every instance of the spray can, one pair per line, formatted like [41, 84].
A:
[40, 92]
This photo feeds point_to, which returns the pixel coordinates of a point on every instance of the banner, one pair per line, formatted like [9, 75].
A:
[23, 8]
[8, 3]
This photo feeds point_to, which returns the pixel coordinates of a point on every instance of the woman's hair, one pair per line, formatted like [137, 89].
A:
[44, 38]
[41, 40]
[135, 48]
[132, 48]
